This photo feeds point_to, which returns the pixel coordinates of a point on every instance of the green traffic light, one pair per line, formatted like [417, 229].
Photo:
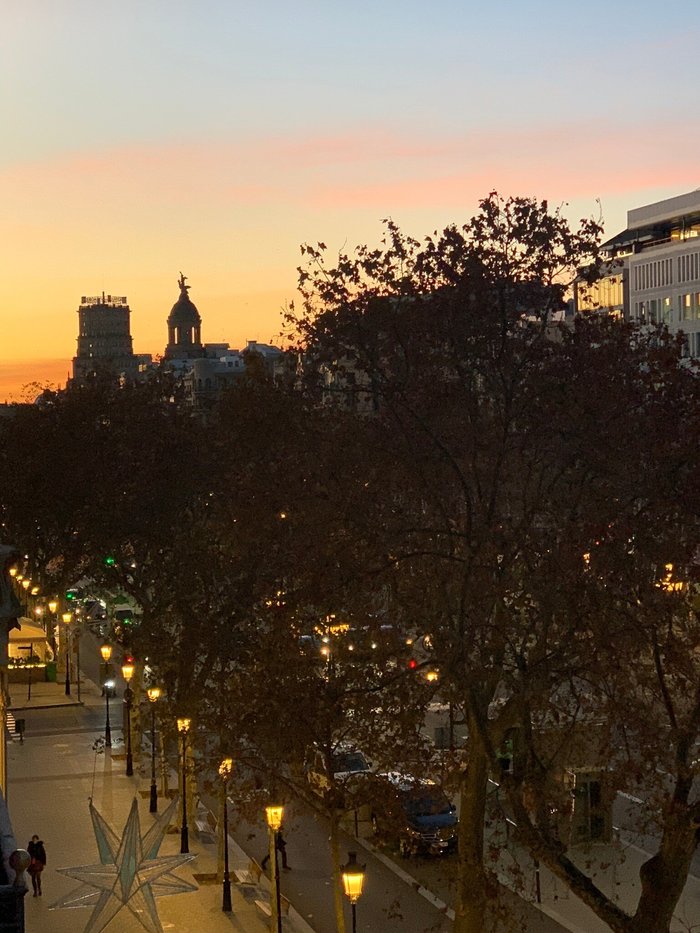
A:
[110, 561]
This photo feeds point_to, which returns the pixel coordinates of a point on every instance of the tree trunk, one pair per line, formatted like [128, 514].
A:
[163, 765]
[220, 834]
[472, 882]
[337, 880]
[664, 875]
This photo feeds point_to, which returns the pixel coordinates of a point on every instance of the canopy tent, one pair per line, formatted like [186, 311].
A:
[28, 640]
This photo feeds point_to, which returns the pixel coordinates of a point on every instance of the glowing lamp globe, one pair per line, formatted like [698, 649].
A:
[273, 815]
[353, 878]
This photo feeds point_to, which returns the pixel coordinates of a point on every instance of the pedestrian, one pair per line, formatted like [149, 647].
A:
[37, 864]
[281, 846]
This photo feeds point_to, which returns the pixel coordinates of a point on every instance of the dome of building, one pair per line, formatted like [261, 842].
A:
[184, 327]
[184, 312]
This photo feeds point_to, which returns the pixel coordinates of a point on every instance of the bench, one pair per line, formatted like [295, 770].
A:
[265, 908]
[206, 826]
[205, 830]
[249, 875]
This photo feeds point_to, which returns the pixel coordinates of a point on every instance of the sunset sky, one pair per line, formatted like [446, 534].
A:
[142, 138]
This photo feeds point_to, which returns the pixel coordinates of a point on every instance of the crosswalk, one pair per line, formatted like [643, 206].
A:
[11, 724]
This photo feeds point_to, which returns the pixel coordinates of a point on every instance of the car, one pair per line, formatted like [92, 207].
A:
[346, 763]
[414, 813]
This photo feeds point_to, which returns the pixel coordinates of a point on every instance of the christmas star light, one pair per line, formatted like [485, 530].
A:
[129, 874]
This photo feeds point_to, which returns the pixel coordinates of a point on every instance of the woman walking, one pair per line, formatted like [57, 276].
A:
[38, 861]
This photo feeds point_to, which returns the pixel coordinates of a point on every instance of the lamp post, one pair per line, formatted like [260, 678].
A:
[183, 727]
[274, 814]
[26, 583]
[67, 616]
[225, 769]
[353, 882]
[106, 652]
[76, 635]
[53, 609]
[153, 696]
[127, 674]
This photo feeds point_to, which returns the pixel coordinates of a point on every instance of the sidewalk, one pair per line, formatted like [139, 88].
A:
[51, 778]
[46, 695]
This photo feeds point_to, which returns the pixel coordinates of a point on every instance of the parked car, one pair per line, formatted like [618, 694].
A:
[414, 814]
[346, 763]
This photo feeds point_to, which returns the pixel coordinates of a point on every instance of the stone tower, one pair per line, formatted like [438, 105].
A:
[184, 327]
[104, 338]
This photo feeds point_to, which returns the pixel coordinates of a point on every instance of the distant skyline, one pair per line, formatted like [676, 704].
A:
[141, 139]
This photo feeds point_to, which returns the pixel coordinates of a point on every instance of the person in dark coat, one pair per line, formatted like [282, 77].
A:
[281, 846]
[38, 862]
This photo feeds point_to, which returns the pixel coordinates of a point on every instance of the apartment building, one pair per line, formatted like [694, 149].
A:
[654, 269]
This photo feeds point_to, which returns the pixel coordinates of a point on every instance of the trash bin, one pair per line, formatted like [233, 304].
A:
[50, 671]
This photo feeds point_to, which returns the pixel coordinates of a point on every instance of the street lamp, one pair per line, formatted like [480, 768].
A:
[127, 674]
[66, 618]
[183, 727]
[274, 814]
[225, 769]
[153, 696]
[53, 609]
[25, 585]
[353, 882]
[106, 652]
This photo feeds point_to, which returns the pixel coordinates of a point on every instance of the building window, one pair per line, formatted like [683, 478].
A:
[667, 311]
[684, 307]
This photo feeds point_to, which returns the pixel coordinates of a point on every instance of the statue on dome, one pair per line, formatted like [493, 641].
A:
[181, 282]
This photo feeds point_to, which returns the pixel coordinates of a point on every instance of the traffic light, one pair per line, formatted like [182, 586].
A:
[109, 561]
[71, 595]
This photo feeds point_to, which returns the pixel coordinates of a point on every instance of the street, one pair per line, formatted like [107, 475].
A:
[55, 772]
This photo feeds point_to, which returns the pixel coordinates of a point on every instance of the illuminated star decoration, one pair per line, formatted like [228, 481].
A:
[129, 874]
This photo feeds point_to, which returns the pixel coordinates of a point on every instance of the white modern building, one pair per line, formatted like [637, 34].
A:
[654, 274]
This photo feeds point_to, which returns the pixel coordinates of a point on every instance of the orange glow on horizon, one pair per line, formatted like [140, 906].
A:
[126, 219]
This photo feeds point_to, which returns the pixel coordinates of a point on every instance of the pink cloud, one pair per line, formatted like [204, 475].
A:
[365, 168]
